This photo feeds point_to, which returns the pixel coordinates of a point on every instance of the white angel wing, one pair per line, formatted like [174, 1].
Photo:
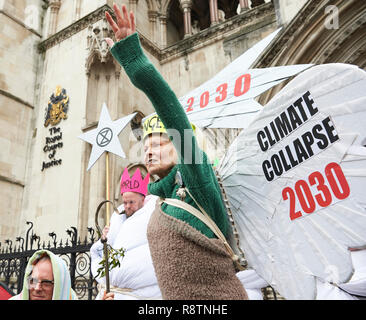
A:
[300, 204]
[236, 110]
[227, 99]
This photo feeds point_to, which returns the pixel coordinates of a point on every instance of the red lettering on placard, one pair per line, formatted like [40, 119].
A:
[222, 90]
[190, 104]
[325, 198]
[205, 97]
[305, 197]
[340, 194]
[291, 193]
[242, 86]
[336, 180]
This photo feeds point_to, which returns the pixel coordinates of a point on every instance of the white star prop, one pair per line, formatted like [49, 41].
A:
[105, 137]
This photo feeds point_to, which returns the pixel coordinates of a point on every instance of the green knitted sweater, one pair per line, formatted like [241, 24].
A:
[196, 170]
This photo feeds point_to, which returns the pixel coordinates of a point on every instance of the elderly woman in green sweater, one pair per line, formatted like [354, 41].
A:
[189, 260]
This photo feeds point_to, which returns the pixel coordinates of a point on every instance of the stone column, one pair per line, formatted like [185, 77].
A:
[187, 6]
[163, 30]
[214, 13]
[54, 9]
[132, 4]
[243, 5]
[152, 21]
[76, 10]
[256, 3]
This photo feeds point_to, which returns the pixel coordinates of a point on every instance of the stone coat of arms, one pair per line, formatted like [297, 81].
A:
[58, 106]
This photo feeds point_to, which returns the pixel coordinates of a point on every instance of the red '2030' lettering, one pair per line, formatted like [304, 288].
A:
[337, 182]
[242, 86]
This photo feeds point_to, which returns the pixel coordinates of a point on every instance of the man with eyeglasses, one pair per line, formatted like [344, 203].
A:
[135, 278]
[41, 281]
[46, 278]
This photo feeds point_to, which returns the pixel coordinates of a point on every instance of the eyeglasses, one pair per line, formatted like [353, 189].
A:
[44, 284]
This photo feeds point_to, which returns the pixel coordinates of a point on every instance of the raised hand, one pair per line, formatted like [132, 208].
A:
[124, 26]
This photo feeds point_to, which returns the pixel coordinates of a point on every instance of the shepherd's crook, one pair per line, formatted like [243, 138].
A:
[104, 241]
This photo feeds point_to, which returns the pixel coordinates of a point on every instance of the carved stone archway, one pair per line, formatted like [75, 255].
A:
[312, 37]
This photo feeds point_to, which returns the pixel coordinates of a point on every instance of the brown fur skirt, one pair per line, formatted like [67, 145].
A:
[189, 265]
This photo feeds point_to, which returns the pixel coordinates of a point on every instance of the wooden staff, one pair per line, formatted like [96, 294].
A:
[104, 241]
[107, 196]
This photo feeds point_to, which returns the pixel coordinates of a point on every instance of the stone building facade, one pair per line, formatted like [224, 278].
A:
[56, 48]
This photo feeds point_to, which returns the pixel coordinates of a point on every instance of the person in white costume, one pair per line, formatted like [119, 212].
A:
[135, 278]
[252, 283]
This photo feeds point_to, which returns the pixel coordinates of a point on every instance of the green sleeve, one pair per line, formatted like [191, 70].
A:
[193, 162]
[196, 170]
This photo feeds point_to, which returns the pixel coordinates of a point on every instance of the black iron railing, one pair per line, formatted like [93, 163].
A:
[14, 256]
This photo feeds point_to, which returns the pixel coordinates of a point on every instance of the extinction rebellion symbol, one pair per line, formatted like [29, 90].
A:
[104, 137]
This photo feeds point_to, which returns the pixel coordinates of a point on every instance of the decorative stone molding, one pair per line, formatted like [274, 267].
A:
[149, 46]
[74, 28]
[236, 43]
[311, 18]
[307, 39]
[97, 34]
[218, 32]
[98, 47]
[287, 34]
[350, 30]
[84, 23]
[181, 48]
[152, 15]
